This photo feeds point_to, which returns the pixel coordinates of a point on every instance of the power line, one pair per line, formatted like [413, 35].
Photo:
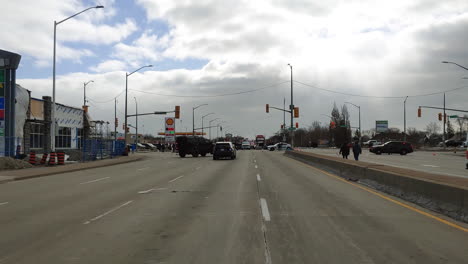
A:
[384, 97]
[215, 95]
[107, 101]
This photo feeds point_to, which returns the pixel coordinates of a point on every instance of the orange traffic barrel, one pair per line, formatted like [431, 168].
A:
[61, 158]
[32, 158]
[52, 158]
[44, 158]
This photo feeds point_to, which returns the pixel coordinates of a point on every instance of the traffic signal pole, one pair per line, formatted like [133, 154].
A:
[291, 107]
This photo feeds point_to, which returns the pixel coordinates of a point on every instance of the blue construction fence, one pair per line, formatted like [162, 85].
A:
[94, 149]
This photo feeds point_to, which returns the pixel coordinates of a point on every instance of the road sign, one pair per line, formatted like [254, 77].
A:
[381, 126]
[291, 128]
[453, 116]
[170, 129]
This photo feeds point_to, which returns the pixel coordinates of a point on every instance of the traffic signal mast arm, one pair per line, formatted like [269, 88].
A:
[441, 108]
[284, 110]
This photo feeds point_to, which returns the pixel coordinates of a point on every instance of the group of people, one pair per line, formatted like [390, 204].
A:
[345, 149]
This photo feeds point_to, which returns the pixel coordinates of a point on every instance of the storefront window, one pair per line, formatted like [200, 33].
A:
[37, 136]
[63, 138]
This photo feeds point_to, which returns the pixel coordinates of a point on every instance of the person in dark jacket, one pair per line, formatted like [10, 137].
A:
[357, 150]
[344, 150]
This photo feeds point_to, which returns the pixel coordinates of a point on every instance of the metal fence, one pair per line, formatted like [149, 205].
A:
[94, 149]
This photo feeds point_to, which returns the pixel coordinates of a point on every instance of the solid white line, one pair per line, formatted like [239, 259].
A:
[265, 212]
[176, 178]
[150, 190]
[258, 177]
[4, 203]
[108, 212]
[95, 180]
[256, 166]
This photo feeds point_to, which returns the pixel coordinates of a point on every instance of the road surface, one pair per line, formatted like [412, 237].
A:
[446, 163]
[261, 208]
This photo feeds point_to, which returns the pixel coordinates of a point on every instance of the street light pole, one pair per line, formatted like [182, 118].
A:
[404, 119]
[359, 108]
[136, 126]
[202, 121]
[126, 96]
[84, 91]
[291, 107]
[210, 125]
[193, 118]
[52, 125]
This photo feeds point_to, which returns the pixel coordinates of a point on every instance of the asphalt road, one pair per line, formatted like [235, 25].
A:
[261, 208]
[446, 163]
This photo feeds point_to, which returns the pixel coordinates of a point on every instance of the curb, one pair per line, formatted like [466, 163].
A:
[43, 174]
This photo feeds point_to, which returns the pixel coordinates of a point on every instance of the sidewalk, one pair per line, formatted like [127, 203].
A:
[22, 174]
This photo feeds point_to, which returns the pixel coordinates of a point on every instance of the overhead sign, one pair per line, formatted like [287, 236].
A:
[381, 126]
[170, 129]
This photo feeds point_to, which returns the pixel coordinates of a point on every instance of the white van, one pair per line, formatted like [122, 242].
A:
[245, 145]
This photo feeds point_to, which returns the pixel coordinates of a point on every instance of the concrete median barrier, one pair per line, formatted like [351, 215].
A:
[447, 195]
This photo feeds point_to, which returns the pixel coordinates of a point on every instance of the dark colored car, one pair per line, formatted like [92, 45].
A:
[392, 147]
[224, 150]
[194, 146]
[453, 143]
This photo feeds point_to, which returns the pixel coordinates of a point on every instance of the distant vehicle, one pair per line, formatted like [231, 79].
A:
[279, 146]
[149, 146]
[245, 145]
[371, 143]
[260, 141]
[453, 143]
[224, 150]
[139, 145]
[194, 146]
[392, 147]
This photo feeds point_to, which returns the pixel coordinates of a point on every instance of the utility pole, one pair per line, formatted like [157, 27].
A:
[284, 118]
[84, 91]
[444, 137]
[291, 107]
[115, 119]
[404, 119]
[136, 127]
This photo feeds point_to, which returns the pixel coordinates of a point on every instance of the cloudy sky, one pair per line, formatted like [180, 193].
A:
[205, 50]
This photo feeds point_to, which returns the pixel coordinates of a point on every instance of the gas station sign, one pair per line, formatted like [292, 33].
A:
[170, 129]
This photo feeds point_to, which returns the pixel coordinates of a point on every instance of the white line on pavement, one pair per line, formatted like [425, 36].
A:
[255, 161]
[150, 190]
[197, 168]
[4, 203]
[176, 178]
[143, 168]
[265, 212]
[433, 166]
[258, 177]
[95, 180]
[256, 166]
[108, 212]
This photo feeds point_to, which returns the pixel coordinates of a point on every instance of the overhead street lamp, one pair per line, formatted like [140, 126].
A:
[126, 95]
[210, 125]
[84, 91]
[193, 118]
[52, 125]
[359, 108]
[202, 121]
[217, 128]
[449, 62]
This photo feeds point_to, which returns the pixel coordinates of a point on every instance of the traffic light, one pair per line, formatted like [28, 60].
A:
[332, 124]
[296, 112]
[440, 116]
[282, 126]
[297, 125]
[267, 108]
[127, 129]
[177, 112]
[123, 126]
[116, 122]
[419, 112]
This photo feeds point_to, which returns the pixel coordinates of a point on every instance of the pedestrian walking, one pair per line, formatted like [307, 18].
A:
[344, 150]
[357, 150]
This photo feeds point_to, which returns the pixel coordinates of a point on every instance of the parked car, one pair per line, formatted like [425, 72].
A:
[389, 147]
[224, 150]
[279, 146]
[149, 146]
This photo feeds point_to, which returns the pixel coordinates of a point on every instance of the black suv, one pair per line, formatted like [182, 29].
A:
[392, 147]
[224, 150]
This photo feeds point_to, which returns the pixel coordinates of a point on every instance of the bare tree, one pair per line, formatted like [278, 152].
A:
[432, 128]
[461, 124]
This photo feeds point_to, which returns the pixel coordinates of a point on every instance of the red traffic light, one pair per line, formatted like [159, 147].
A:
[419, 112]
[440, 116]
[297, 125]
[177, 112]
[296, 112]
